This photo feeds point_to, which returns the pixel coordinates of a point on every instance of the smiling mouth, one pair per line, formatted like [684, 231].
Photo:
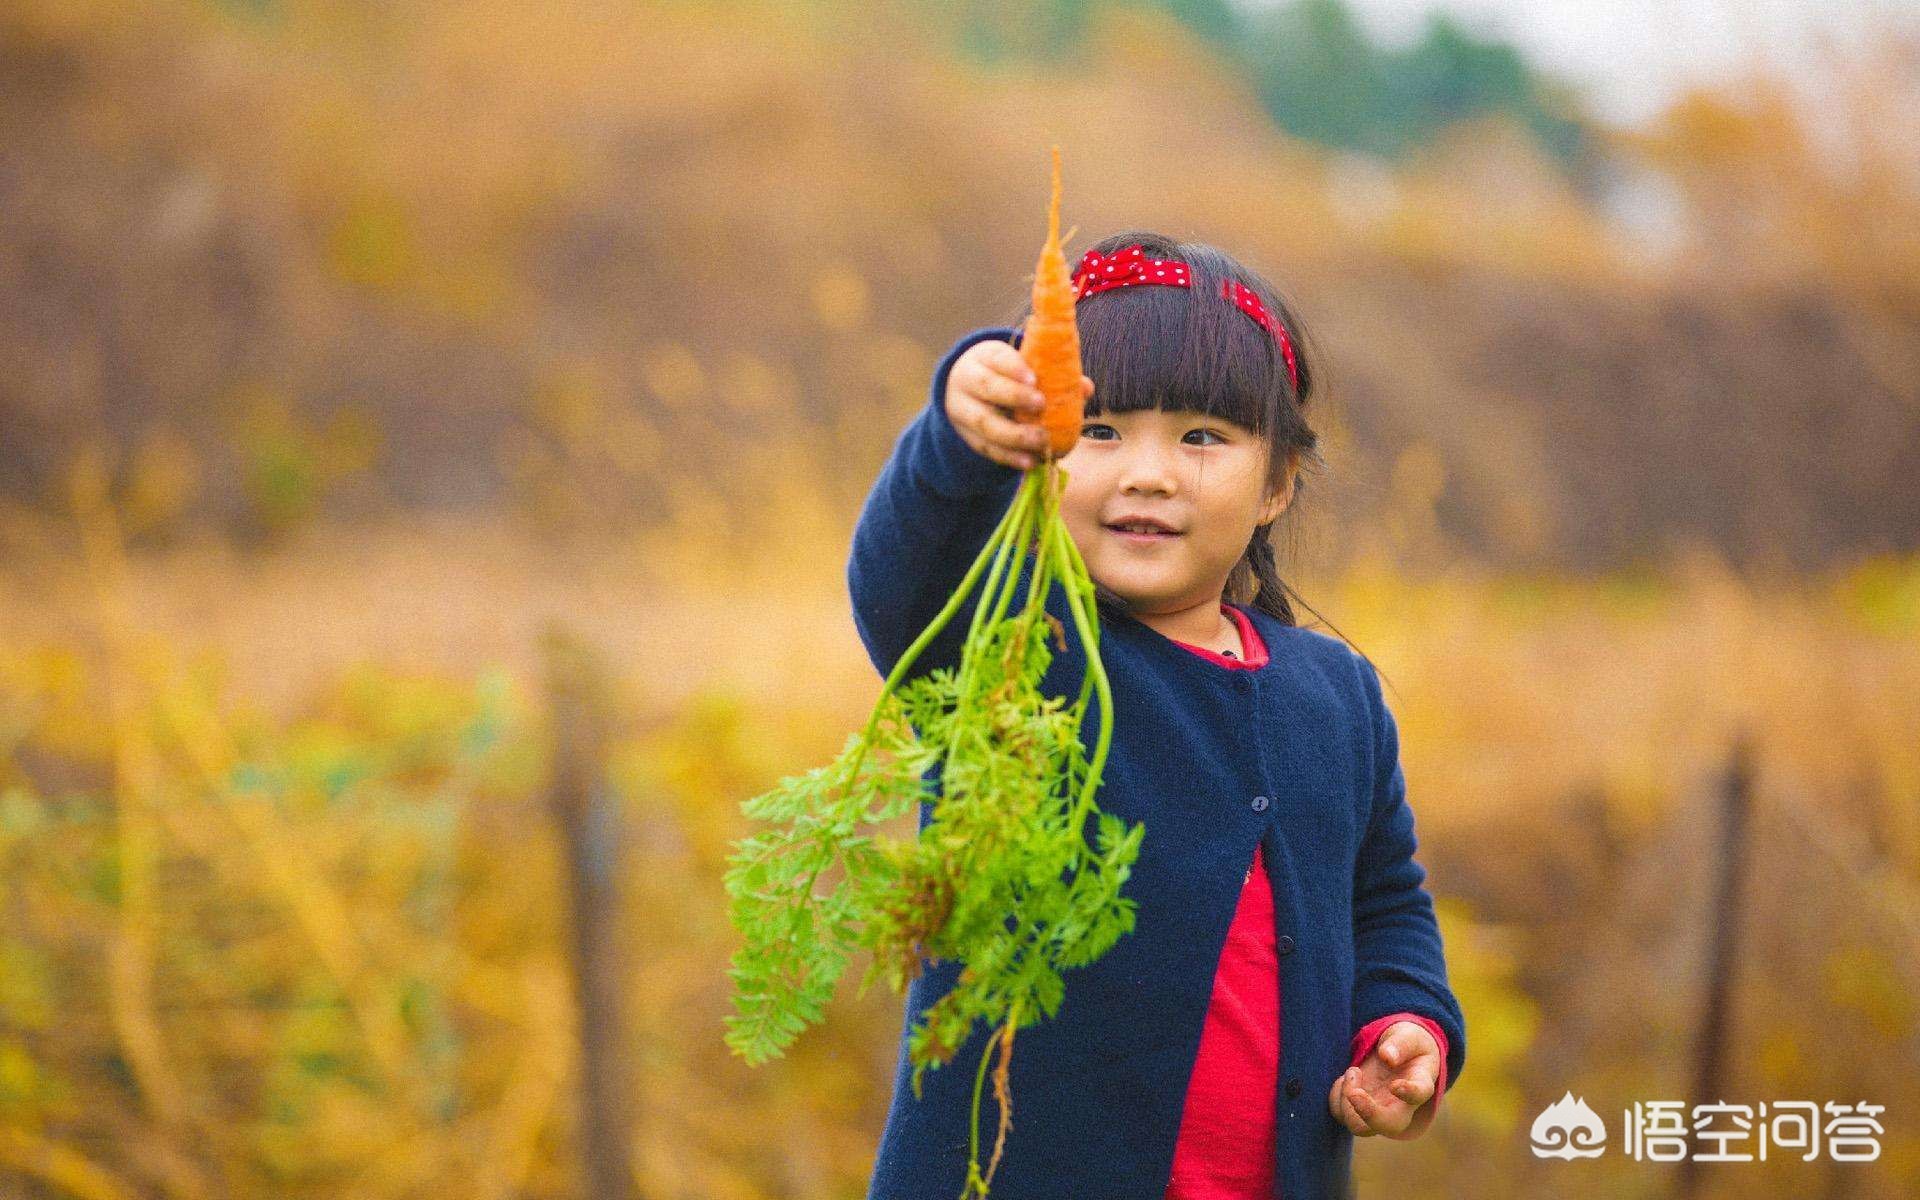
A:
[1144, 534]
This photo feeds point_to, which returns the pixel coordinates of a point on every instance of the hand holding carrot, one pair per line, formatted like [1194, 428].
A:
[987, 385]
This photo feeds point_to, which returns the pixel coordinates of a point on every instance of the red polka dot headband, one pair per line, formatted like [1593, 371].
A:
[1129, 265]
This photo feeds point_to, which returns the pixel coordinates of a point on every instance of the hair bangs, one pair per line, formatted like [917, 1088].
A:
[1182, 349]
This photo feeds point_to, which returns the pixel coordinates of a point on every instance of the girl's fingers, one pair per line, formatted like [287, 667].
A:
[1007, 380]
[987, 447]
[1344, 1110]
[1416, 1089]
[998, 453]
[1007, 433]
[1006, 359]
[1338, 1106]
[993, 388]
[1007, 458]
[1381, 1118]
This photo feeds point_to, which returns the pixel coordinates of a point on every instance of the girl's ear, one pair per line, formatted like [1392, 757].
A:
[1283, 494]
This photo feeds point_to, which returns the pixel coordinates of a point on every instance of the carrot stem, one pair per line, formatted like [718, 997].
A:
[1016, 520]
[973, 1136]
[933, 628]
[1073, 567]
[1015, 524]
[1080, 572]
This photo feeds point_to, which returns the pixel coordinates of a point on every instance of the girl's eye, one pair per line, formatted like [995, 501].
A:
[1098, 430]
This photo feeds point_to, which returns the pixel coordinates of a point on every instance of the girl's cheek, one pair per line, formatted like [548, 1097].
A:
[1077, 507]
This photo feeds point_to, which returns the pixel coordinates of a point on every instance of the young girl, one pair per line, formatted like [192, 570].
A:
[1284, 988]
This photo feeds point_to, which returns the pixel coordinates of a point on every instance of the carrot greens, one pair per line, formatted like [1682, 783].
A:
[1003, 878]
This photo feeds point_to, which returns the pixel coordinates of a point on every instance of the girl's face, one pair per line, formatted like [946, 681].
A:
[1203, 477]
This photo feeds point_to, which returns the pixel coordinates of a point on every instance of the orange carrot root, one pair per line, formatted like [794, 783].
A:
[1001, 1090]
[1051, 342]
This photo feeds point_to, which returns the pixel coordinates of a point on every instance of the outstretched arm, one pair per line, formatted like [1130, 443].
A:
[929, 513]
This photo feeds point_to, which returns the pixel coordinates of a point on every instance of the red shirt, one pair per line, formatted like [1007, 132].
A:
[1225, 1148]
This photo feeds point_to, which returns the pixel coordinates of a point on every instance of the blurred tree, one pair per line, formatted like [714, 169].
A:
[1319, 75]
[1316, 70]
[1322, 78]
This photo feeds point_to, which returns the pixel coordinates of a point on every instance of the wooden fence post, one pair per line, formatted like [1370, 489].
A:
[1716, 1014]
[588, 814]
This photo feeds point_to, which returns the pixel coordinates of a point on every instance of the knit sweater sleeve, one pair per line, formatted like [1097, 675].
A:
[1399, 963]
[924, 521]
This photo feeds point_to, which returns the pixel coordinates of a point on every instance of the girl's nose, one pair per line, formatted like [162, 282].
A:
[1148, 468]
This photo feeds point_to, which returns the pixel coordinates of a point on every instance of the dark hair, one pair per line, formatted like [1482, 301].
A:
[1190, 349]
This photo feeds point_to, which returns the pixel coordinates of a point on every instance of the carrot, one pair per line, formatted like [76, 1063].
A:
[975, 885]
[1051, 343]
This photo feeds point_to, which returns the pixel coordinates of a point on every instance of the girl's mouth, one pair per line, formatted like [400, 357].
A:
[1141, 534]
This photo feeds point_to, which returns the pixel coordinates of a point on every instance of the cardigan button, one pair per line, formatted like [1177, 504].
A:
[1285, 944]
[1293, 1088]
[1260, 803]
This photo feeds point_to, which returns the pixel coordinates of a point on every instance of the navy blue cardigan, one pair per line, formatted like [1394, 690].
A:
[1300, 756]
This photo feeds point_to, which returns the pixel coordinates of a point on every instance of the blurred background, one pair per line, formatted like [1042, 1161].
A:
[430, 437]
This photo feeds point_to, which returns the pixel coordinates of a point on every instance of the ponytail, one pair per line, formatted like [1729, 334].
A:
[1255, 580]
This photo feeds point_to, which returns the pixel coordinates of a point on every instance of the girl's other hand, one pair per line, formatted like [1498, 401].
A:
[1387, 1093]
[988, 384]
